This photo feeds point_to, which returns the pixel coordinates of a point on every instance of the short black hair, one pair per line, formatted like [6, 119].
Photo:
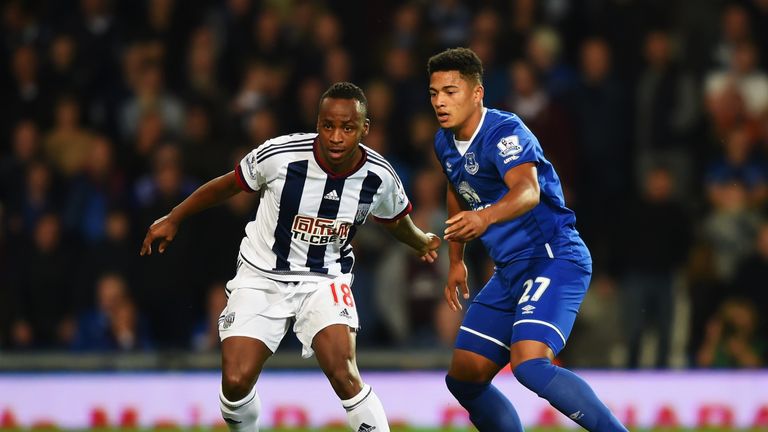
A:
[347, 90]
[463, 60]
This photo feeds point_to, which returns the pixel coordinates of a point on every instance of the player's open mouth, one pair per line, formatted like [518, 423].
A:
[441, 117]
[336, 152]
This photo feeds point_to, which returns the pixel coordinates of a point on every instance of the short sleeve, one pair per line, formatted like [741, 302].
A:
[250, 174]
[513, 147]
[392, 203]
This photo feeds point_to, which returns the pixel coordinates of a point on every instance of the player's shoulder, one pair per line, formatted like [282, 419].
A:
[296, 143]
[503, 120]
[379, 164]
[503, 124]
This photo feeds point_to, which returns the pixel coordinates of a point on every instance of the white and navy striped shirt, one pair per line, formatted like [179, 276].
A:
[307, 215]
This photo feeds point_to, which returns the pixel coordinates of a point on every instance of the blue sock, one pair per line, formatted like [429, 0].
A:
[568, 393]
[488, 409]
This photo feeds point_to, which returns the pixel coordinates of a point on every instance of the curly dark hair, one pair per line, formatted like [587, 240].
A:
[346, 90]
[463, 60]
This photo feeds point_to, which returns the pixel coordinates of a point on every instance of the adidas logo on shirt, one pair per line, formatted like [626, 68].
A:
[577, 415]
[332, 195]
[366, 427]
[344, 313]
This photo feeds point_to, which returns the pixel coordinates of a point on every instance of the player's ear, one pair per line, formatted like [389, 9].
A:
[479, 93]
[366, 126]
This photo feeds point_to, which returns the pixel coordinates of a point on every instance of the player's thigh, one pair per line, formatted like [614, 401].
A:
[242, 359]
[485, 331]
[252, 313]
[334, 348]
[330, 304]
[552, 292]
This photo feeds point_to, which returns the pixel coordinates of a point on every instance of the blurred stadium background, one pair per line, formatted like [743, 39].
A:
[655, 114]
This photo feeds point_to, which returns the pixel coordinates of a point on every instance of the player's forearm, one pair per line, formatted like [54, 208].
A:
[452, 205]
[518, 201]
[456, 251]
[210, 194]
[407, 232]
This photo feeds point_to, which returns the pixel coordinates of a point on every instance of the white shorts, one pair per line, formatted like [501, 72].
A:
[263, 308]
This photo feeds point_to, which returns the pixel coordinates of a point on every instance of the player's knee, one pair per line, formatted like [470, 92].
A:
[464, 390]
[535, 374]
[236, 384]
[345, 380]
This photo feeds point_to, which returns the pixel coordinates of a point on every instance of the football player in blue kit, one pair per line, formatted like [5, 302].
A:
[504, 191]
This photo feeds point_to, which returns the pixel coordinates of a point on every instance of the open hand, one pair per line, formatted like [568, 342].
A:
[457, 280]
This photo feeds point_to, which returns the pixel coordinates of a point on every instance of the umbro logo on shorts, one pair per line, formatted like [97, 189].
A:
[366, 427]
[345, 313]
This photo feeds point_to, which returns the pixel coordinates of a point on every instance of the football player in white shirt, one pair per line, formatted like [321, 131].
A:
[295, 261]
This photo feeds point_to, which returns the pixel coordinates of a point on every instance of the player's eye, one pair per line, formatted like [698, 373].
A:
[348, 128]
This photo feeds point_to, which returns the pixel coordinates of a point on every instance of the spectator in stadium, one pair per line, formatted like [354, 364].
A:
[667, 107]
[732, 339]
[68, 144]
[114, 324]
[751, 274]
[41, 289]
[740, 161]
[99, 186]
[514, 204]
[659, 235]
[25, 149]
[300, 271]
[113, 253]
[730, 227]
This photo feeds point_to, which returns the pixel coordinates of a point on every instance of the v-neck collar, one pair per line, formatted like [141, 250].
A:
[463, 146]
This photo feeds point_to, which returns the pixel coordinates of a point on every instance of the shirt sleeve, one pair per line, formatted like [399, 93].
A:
[392, 203]
[513, 147]
[250, 173]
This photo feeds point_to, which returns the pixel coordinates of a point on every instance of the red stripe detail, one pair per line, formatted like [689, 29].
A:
[241, 180]
[400, 215]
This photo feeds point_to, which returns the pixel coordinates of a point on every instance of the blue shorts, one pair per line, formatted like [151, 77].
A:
[525, 300]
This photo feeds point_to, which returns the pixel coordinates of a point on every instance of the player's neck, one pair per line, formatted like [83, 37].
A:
[344, 167]
[466, 130]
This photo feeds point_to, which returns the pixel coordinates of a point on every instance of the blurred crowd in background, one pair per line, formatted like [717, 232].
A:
[654, 113]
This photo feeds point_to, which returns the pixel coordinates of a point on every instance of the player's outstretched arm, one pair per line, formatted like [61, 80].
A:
[406, 231]
[523, 195]
[207, 195]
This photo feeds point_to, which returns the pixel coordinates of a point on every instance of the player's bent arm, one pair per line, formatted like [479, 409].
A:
[407, 232]
[207, 195]
[523, 195]
[210, 194]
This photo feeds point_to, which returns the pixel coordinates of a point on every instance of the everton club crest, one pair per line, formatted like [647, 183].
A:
[470, 163]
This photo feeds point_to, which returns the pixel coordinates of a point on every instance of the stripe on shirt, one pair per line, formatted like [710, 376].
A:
[296, 175]
[329, 208]
[267, 148]
[291, 148]
[387, 167]
[367, 192]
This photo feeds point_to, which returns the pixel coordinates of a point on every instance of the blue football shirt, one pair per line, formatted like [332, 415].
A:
[476, 170]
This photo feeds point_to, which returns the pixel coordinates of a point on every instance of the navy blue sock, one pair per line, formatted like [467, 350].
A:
[568, 393]
[488, 409]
